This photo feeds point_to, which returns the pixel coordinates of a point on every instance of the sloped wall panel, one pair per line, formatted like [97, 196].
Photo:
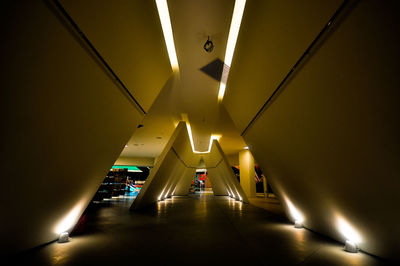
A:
[129, 36]
[217, 183]
[157, 184]
[329, 142]
[221, 174]
[273, 34]
[182, 187]
[175, 169]
[63, 114]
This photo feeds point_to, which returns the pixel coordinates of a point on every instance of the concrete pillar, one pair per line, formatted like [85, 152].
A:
[247, 173]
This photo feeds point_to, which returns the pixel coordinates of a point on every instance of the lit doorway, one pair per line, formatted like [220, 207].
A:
[201, 183]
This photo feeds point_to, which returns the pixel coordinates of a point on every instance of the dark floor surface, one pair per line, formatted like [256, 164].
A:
[194, 230]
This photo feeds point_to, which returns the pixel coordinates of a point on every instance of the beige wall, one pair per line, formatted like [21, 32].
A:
[233, 159]
[136, 161]
[274, 35]
[329, 143]
[128, 35]
[63, 112]
[247, 173]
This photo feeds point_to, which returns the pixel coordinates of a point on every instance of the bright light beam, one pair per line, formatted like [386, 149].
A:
[163, 13]
[294, 212]
[348, 232]
[69, 220]
[230, 47]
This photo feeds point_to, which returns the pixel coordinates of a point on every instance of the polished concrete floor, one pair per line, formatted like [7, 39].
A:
[194, 230]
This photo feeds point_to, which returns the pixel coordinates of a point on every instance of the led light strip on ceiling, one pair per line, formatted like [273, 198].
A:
[189, 129]
[163, 13]
[230, 47]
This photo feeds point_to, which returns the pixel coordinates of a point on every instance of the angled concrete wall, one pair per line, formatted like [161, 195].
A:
[167, 171]
[221, 174]
[61, 112]
[218, 185]
[328, 143]
[183, 185]
[125, 32]
[176, 167]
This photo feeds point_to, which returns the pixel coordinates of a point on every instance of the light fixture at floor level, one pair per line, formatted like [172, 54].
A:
[298, 224]
[63, 238]
[351, 246]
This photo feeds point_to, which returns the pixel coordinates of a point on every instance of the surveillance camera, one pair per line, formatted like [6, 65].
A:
[208, 46]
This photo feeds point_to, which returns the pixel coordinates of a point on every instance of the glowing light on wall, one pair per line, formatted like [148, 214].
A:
[189, 129]
[160, 197]
[167, 194]
[68, 222]
[347, 231]
[294, 212]
[163, 13]
[230, 47]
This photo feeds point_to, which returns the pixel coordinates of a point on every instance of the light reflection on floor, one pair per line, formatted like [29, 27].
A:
[226, 231]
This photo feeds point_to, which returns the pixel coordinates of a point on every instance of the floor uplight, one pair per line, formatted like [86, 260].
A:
[298, 224]
[63, 238]
[351, 246]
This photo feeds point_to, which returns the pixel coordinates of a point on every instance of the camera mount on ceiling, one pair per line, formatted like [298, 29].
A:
[208, 46]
